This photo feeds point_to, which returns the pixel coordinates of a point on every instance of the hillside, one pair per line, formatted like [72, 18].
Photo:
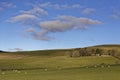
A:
[61, 64]
[105, 49]
[109, 45]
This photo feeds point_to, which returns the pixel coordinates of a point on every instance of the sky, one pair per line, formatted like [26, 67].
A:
[58, 24]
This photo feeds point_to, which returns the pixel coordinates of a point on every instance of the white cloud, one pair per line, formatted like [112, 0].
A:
[16, 49]
[22, 18]
[28, 16]
[35, 11]
[58, 6]
[76, 6]
[88, 10]
[6, 5]
[79, 21]
[56, 26]
[41, 35]
[29, 29]
[59, 24]
[115, 15]
[63, 24]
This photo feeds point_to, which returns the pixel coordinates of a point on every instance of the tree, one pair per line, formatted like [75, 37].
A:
[99, 51]
[83, 52]
[93, 51]
[90, 51]
[75, 53]
[111, 52]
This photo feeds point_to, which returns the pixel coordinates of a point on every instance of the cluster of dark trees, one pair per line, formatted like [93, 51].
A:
[90, 52]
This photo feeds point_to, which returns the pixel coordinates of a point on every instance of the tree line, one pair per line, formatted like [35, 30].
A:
[90, 52]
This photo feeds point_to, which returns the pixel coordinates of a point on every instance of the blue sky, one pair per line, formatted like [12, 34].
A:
[56, 24]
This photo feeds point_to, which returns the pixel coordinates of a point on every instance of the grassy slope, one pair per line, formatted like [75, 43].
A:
[107, 47]
[60, 52]
[54, 62]
[111, 73]
[46, 58]
[59, 67]
[40, 53]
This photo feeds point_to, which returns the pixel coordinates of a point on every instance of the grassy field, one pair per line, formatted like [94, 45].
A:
[37, 62]
[99, 73]
[60, 68]
[55, 65]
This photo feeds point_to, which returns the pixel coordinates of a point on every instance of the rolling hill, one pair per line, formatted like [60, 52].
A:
[64, 52]
[109, 45]
[62, 64]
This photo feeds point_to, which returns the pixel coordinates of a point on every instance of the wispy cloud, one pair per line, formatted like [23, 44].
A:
[16, 49]
[59, 24]
[115, 14]
[35, 11]
[22, 18]
[41, 35]
[29, 29]
[6, 5]
[28, 16]
[63, 24]
[58, 6]
[88, 11]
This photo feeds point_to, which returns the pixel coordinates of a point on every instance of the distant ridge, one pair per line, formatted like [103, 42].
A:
[108, 45]
[106, 49]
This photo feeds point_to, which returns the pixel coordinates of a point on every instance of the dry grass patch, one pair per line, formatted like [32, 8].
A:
[7, 56]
